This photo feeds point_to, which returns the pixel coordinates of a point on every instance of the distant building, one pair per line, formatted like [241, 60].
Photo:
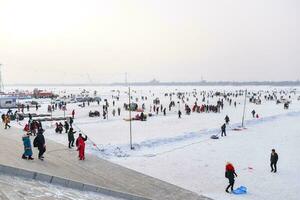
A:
[42, 94]
[8, 102]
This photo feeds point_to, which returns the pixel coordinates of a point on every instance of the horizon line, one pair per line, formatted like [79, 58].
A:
[167, 83]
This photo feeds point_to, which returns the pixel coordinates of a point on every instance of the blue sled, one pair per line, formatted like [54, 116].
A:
[240, 190]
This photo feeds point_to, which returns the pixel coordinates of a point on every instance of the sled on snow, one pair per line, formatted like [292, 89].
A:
[239, 129]
[214, 137]
[239, 191]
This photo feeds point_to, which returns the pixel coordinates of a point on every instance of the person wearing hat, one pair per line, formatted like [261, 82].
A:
[230, 174]
[274, 159]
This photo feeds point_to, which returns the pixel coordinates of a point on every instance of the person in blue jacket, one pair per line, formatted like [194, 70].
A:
[27, 147]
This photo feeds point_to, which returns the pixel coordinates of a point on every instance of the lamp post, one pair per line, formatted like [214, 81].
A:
[243, 119]
[130, 121]
[129, 109]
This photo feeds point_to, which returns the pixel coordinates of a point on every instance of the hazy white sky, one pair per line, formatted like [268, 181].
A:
[83, 41]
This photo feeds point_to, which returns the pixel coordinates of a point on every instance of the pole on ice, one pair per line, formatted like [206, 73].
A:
[243, 119]
[51, 108]
[130, 121]
[129, 109]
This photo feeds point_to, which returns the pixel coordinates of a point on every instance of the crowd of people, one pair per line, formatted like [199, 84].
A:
[34, 127]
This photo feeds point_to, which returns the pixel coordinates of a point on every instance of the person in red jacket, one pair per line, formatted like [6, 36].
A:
[80, 143]
[26, 128]
[230, 174]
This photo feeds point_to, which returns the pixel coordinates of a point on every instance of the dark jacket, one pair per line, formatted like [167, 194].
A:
[71, 135]
[39, 141]
[274, 158]
[223, 127]
[230, 175]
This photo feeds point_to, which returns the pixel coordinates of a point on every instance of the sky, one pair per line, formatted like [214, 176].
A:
[98, 41]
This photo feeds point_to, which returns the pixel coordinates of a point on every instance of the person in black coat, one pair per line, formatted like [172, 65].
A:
[179, 114]
[67, 126]
[71, 137]
[39, 142]
[227, 119]
[274, 159]
[223, 130]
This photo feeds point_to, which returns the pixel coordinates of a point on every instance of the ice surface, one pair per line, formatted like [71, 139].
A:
[181, 152]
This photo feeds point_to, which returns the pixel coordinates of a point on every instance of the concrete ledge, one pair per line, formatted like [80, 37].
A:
[43, 178]
[59, 181]
[13, 171]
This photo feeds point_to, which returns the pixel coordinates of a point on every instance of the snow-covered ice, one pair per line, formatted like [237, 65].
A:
[181, 152]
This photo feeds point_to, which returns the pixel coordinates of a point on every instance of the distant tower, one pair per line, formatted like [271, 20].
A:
[1, 82]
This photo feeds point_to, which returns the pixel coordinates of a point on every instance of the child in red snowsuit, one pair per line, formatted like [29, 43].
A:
[80, 143]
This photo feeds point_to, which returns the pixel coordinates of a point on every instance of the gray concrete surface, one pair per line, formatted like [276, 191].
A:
[17, 188]
[63, 163]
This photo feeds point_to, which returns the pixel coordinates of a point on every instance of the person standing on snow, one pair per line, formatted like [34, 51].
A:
[71, 138]
[73, 114]
[7, 121]
[227, 119]
[27, 147]
[253, 113]
[274, 159]
[223, 130]
[67, 126]
[179, 114]
[80, 143]
[39, 142]
[230, 175]
[71, 122]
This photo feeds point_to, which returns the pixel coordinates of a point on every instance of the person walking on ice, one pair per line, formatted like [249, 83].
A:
[80, 143]
[227, 119]
[253, 113]
[179, 114]
[39, 142]
[7, 121]
[274, 159]
[230, 175]
[73, 114]
[223, 130]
